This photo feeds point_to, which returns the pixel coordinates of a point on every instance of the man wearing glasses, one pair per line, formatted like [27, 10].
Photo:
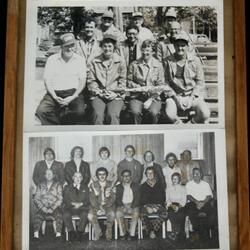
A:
[65, 79]
[127, 203]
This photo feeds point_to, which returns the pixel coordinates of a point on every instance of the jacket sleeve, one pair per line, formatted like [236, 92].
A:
[67, 197]
[67, 173]
[139, 173]
[137, 195]
[59, 197]
[60, 170]
[86, 175]
[38, 199]
[122, 75]
[36, 174]
[130, 77]
[91, 80]
[161, 176]
[168, 78]
[161, 77]
[110, 200]
[93, 200]
[143, 200]
[198, 90]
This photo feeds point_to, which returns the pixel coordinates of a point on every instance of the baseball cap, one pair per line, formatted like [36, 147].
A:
[182, 36]
[108, 14]
[111, 36]
[67, 39]
[171, 13]
[137, 13]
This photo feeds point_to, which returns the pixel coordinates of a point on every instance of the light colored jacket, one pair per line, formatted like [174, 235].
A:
[154, 77]
[81, 49]
[112, 78]
[194, 82]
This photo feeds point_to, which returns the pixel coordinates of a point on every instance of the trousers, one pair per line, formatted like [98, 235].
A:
[51, 113]
[106, 111]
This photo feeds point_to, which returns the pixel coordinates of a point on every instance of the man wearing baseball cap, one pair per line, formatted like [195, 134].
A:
[64, 79]
[144, 33]
[185, 76]
[107, 26]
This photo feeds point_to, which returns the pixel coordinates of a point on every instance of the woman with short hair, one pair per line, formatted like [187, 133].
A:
[106, 80]
[175, 203]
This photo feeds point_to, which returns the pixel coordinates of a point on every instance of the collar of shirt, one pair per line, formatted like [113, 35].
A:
[77, 186]
[115, 58]
[49, 164]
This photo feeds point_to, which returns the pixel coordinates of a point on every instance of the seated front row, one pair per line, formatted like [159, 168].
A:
[123, 199]
[177, 82]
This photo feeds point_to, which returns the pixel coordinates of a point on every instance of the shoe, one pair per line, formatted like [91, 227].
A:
[129, 237]
[123, 237]
[152, 235]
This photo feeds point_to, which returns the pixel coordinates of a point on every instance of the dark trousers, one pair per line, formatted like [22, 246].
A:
[67, 218]
[50, 112]
[177, 219]
[136, 107]
[111, 108]
[201, 219]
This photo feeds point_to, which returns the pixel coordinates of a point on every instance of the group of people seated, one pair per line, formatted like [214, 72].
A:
[102, 66]
[172, 192]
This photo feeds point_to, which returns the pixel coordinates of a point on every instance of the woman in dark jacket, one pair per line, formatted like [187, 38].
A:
[152, 203]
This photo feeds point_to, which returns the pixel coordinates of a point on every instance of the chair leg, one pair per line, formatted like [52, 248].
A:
[164, 229]
[116, 230]
[43, 227]
[66, 234]
[54, 226]
[139, 228]
[187, 227]
[90, 231]
[74, 224]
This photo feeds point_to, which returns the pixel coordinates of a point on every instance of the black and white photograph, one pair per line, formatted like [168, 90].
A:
[147, 190]
[123, 64]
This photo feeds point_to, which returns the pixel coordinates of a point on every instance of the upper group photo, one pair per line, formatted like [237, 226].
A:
[125, 65]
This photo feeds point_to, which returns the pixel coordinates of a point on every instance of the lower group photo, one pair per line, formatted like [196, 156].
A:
[124, 190]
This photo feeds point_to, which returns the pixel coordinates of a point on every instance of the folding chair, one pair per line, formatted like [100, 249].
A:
[48, 218]
[154, 216]
[74, 219]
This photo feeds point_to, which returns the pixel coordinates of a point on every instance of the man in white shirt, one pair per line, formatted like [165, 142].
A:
[65, 79]
[144, 33]
[199, 208]
[127, 203]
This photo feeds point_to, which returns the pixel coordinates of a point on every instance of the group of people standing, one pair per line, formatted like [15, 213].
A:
[103, 66]
[172, 191]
